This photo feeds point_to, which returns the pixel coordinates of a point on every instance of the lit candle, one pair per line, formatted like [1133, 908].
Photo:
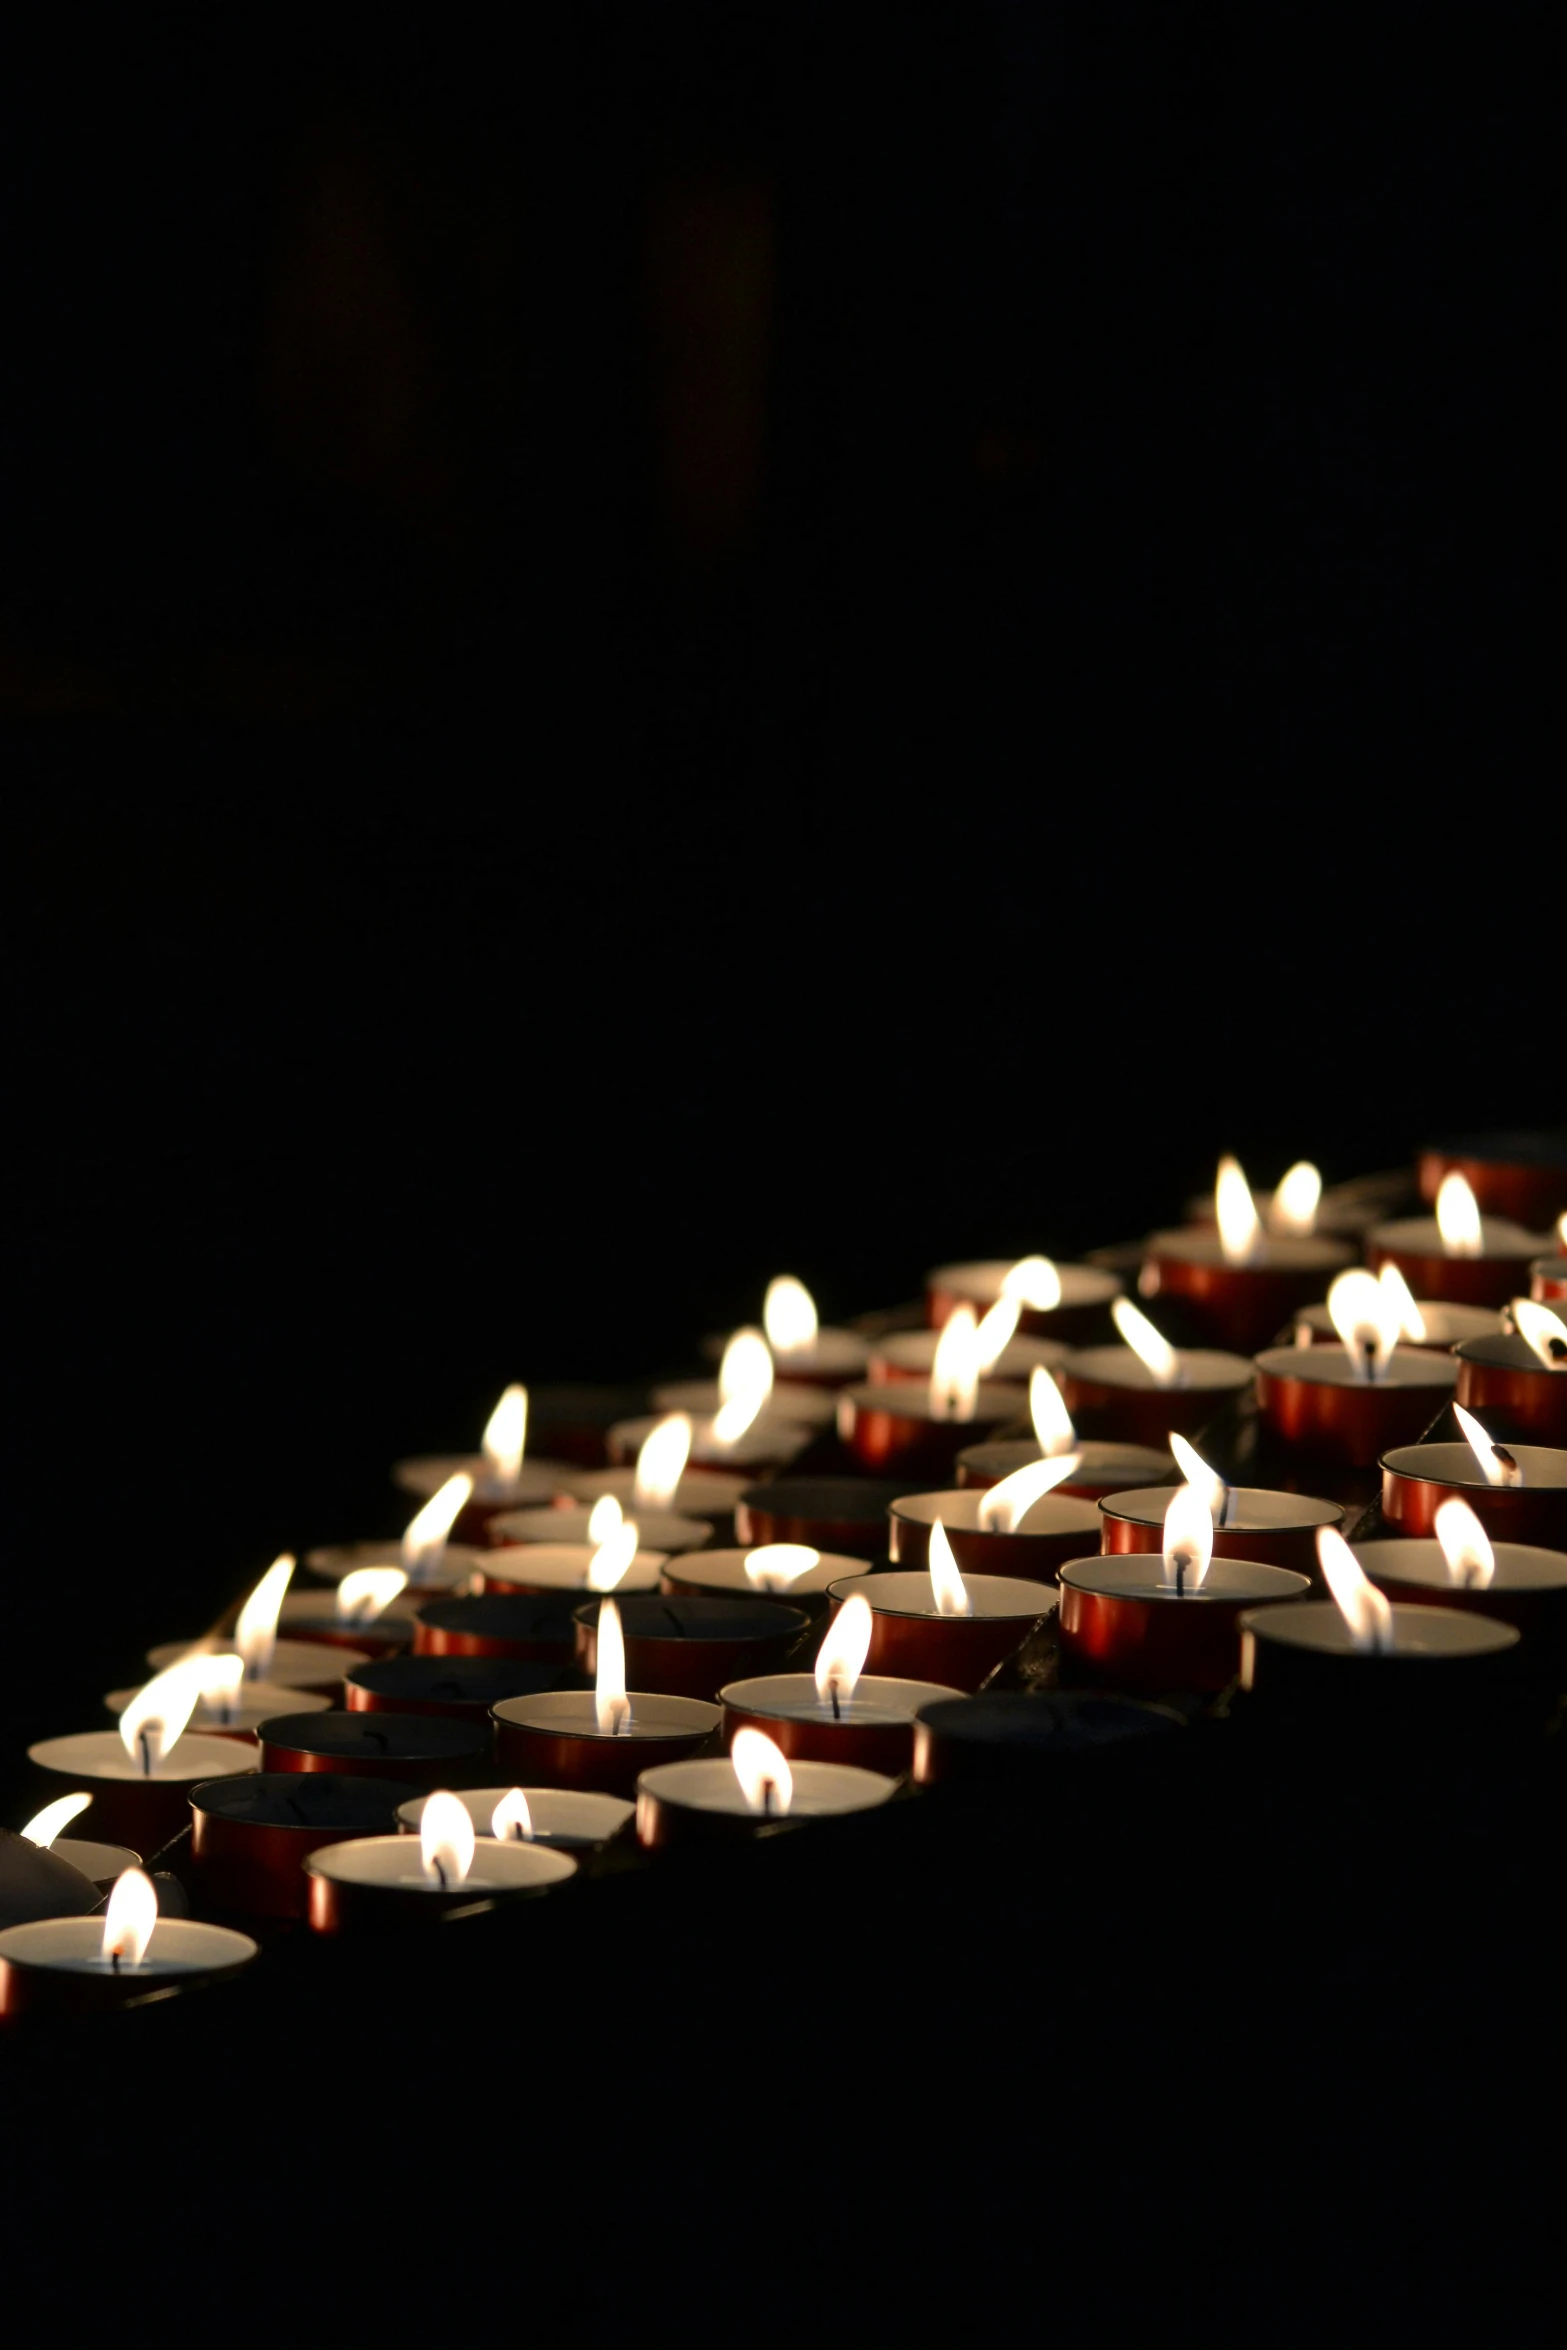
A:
[942, 1625]
[1351, 1402]
[803, 1352]
[286, 1664]
[1055, 1300]
[1004, 1356]
[427, 1557]
[754, 1788]
[1523, 1176]
[1145, 1620]
[1241, 1283]
[387, 1883]
[580, 1521]
[140, 1775]
[1520, 1378]
[1099, 1467]
[919, 1430]
[1456, 1253]
[599, 1738]
[360, 1612]
[229, 1706]
[1022, 1526]
[101, 1863]
[745, 1378]
[36, 1882]
[500, 1478]
[1514, 1581]
[1422, 1321]
[837, 1712]
[420, 1750]
[567, 1819]
[613, 1560]
[1518, 1491]
[1144, 1387]
[796, 1571]
[691, 1647]
[77, 1963]
[1249, 1521]
[662, 1479]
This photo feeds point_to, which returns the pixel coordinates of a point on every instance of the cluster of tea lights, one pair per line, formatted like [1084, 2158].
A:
[801, 1589]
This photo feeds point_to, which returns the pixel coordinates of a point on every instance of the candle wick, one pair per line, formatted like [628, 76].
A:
[114, 1958]
[146, 1754]
[767, 1799]
[1369, 1346]
[832, 1691]
[1557, 1349]
[435, 1864]
[1180, 1578]
[1509, 1462]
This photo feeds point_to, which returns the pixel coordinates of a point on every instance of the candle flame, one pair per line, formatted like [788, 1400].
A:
[1471, 1562]
[946, 1583]
[446, 1838]
[1296, 1198]
[613, 1556]
[222, 1678]
[1235, 1212]
[661, 1463]
[128, 1922]
[1561, 1229]
[1496, 1461]
[745, 1381]
[151, 1724]
[1411, 1321]
[611, 1705]
[789, 1316]
[996, 1332]
[424, 1537]
[506, 1435]
[1458, 1217]
[1053, 1429]
[1003, 1507]
[511, 1820]
[45, 1825]
[1153, 1351]
[1199, 1476]
[1366, 1318]
[1033, 1281]
[255, 1634]
[773, 1566]
[367, 1592]
[841, 1658]
[766, 1781]
[605, 1515]
[954, 1373]
[1359, 1602]
[1188, 1539]
[1544, 1331]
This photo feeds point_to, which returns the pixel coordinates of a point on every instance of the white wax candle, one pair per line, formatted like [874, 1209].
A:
[564, 1816]
[659, 1529]
[563, 1566]
[394, 1864]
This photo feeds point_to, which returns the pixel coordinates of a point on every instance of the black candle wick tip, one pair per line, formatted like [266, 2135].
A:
[832, 1691]
[1508, 1460]
[1180, 1578]
[1557, 1349]
[439, 1870]
[114, 1960]
[146, 1754]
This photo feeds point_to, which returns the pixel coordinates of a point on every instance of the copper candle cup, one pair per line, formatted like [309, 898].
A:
[1313, 1403]
[37, 1979]
[1528, 1589]
[895, 1430]
[463, 1688]
[419, 1750]
[1522, 1176]
[1101, 1468]
[1280, 1529]
[1504, 1377]
[554, 1740]
[1112, 1396]
[1241, 1305]
[699, 1803]
[1418, 1478]
[1121, 1625]
[874, 1727]
[1414, 1245]
[1058, 1527]
[1450, 1675]
[524, 1627]
[351, 1890]
[830, 1513]
[691, 1647]
[250, 1837]
[911, 1642]
[1086, 1292]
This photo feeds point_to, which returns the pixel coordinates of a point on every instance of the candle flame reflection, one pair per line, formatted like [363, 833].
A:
[1151, 1348]
[1366, 1318]
[1411, 1321]
[789, 1316]
[946, 1583]
[607, 1566]
[1497, 1463]
[1471, 1562]
[766, 1781]
[505, 1435]
[128, 1922]
[841, 1658]
[1358, 1600]
[1053, 1427]
[1235, 1212]
[151, 1725]
[1033, 1281]
[367, 1592]
[1543, 1330]
[511, 1820]
[661, 1462]
[255, 1634]
[446, 1838]
[954, 1372]
[1005, 1506]
[611, 1705]
[45, 1825]
[775, 1566]
[745, 1381]
[1458, 1217]
[424, 1537]
[1297, 1195]
[1188, 1540]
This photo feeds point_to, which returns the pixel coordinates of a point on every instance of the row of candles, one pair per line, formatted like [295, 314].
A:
[625, 1672]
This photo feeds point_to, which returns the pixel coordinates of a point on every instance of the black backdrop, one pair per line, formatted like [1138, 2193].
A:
[666, 644]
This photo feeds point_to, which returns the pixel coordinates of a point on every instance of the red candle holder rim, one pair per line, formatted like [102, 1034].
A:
[895, 1594]
[1544, 1467]
[302, 1802]
[1204, 1368]
[379, 1736]
[779, 1696]
[1274, 1252]
[572, 1814]
[196, 1756]
[1053, 1513]
[709, 1784]
[1327, 1366]
[909, 1399]
[1520, 1566]
[1097, 1454]
[731, 1575]
[1145, 1505]
[677, 1618]
[570, 1713]
[503, 1615]
[1229, 1582]
[1508, 1352]
[1500, 1239]
[1423, 1634]
[1470, 1321]
[521, 1867]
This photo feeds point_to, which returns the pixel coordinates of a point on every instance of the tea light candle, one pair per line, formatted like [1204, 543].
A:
[691, 1647]
[1014, 1746]
[498, 1476]
[74, 1964]
[1239, 1284]
[388, 1883]
[900, 1427]
[1101, 1468]
[768, 1443]
[463, 1688]
[568, 1819]
[1418, 1478]
[702, 1399]
[1139, 1391]
[314, 1666]
[1441, 1325]
[100, 1863]
[1279, 1529]
[568, 1522]
[838, 1712]
[803, 1352]
[1522, 1586]
[1522, 1176]
[537, 1567]
[250, 1837]
[1123, 1620]
[913, 1638]
[535, 1629]
[554, 1740]
[251, 1704]
[710, 1801]
[829, 1514]
[1055, 1301]
[319, 1619]
[420, 1750]
[1514, 1380]
[1435, 1671]
[1317, 1400]
[431, 1569]
[911, 1354]
[775, 1570]
[1456, 1254]
[132, 1804]
[1029, 1539]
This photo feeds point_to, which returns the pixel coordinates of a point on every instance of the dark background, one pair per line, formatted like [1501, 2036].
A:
[676, 643]
[660, 644]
